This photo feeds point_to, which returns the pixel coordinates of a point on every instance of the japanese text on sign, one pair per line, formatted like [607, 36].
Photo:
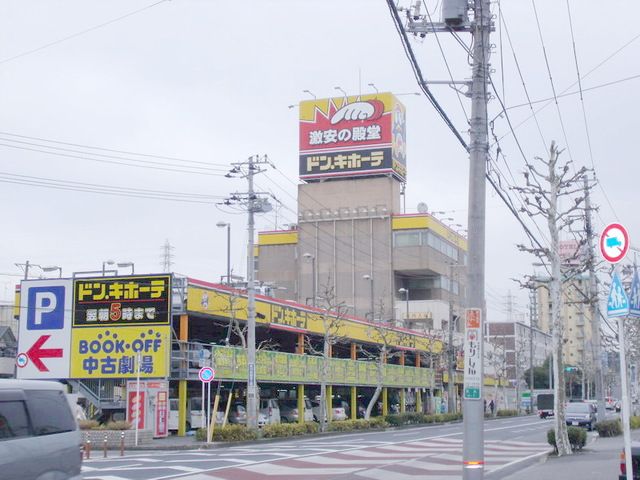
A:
[355, 134]
[473, 354]
[119, 352]
[345, 162]
[133, 300]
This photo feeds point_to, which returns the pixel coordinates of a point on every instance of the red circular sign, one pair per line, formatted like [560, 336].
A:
[614, 242]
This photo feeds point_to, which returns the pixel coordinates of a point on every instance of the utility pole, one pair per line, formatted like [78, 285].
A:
[533, 323]
[455, 16]
[254, 203]
[451, 385]
[594, 304]
[26, 266]
[473, 409]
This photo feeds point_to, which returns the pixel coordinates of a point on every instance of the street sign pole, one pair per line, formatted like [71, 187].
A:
[208, 412]
[202, 400]
[625, 399]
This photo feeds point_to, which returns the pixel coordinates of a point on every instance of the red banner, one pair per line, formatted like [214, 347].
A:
[135, 409]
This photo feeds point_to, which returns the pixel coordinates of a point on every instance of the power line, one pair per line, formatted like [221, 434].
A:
[112, 150]
[143, 163]
[82, 32]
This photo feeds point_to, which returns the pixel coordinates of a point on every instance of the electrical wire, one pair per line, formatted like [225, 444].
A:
[112, 150]
[82, 32]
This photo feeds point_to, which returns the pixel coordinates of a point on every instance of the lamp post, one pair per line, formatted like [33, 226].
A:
[105, 263]
[369, 278]
[53, 269]
[222, 224]
[310, 256]
[125, 265]
[405, 292]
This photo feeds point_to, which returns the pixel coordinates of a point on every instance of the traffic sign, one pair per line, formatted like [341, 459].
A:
[44, 337]
[614, 242]
[634, 300]
[618, 302]
[206, 374]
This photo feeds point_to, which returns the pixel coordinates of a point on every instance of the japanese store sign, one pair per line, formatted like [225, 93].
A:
[352, 136]
[473, 354]
[122, 301]
[117, 351]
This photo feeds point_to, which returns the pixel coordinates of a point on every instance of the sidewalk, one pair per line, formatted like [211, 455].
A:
[598, 460]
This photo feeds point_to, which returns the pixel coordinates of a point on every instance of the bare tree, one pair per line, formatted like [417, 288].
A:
[496, 358]
[332, 318]
[542, 192]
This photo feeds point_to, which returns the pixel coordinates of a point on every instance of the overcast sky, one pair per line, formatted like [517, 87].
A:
[207, 83]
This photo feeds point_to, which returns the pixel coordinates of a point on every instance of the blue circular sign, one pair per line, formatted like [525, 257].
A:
[206, 374]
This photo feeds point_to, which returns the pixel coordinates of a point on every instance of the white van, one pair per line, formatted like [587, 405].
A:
[39, 436]
[194, 413]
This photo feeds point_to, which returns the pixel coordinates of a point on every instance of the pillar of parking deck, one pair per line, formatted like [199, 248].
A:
[403, 399]
[418, 390]
[354, 390]
[301, 403]
[182, 384]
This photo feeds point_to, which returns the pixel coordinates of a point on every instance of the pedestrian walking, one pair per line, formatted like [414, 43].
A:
[492, 406]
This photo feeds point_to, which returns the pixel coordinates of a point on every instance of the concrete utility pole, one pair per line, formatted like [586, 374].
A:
[254, 204]
[473, 409]
[451, 384]
[594, 304]
[533, 323]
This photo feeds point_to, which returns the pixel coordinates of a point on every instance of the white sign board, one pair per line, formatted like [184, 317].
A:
[45, 329]
[473, 354]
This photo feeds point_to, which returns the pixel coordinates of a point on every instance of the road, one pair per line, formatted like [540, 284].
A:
[432, 452]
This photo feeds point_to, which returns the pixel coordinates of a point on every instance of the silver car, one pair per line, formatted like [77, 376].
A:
[580, 414]
[39, 436]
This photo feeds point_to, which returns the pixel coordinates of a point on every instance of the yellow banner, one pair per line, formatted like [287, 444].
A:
[115, 352]
[224, 304]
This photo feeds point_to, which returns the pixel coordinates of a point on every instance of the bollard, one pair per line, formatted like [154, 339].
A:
[122, 444]
[87, 448]
[105, 445]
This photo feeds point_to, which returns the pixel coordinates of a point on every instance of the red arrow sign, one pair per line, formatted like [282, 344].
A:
[35, 353]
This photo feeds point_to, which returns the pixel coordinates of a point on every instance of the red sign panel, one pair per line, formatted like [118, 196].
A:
[614, 242]
[136, 409]
[162, 415]
[352, 136]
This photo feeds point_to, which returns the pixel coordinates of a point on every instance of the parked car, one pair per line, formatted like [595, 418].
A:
[635, 456]
[289, 411]
[39, 436]
[580, 414]
[194, 413]
[238, 415]
[610, 403]
[270, 408]
[337, 410]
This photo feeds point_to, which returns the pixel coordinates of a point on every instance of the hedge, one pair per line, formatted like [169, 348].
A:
[289, 429]
[609, 428]
[508, 413]
[634, 421]
[228, 433]
[413, 418]
[577, 438]
[94, 425]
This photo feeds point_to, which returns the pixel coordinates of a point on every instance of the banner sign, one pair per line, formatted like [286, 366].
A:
[473, 354]
[352, 136]
[112, 352]
[136, 408]
[137, 300]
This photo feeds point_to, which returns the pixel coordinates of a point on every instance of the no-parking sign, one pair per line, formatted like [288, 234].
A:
[206, 374]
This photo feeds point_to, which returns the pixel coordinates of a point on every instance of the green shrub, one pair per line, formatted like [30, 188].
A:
[508, 413]
[288, 429]
[88, 424]
[312, 427]
[116, 425]
[577, 438]
[609, 428]
[228, 433]
[634, 421]
[378, 422]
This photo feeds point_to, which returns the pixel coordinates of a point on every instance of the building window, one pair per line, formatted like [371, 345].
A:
[409, 238]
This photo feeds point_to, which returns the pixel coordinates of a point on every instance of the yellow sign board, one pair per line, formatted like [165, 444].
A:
[222, 303]
[103, 352]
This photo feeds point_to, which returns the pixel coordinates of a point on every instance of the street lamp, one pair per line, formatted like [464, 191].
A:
[52, 269]
[312, 258]
[105, 263]
[405, 292]
[125, 265]
[369, 278]
[222, 224]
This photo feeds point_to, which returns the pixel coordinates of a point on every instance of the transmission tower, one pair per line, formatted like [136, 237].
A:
[167, 256]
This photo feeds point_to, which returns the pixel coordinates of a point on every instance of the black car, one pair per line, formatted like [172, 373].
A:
[581, 414]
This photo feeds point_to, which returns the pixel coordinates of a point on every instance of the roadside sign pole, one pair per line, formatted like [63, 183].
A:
[137, 397]
[202, 399]
[625, 399]
[208, 412]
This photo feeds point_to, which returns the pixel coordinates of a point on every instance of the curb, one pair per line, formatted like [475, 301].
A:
[216, 445]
